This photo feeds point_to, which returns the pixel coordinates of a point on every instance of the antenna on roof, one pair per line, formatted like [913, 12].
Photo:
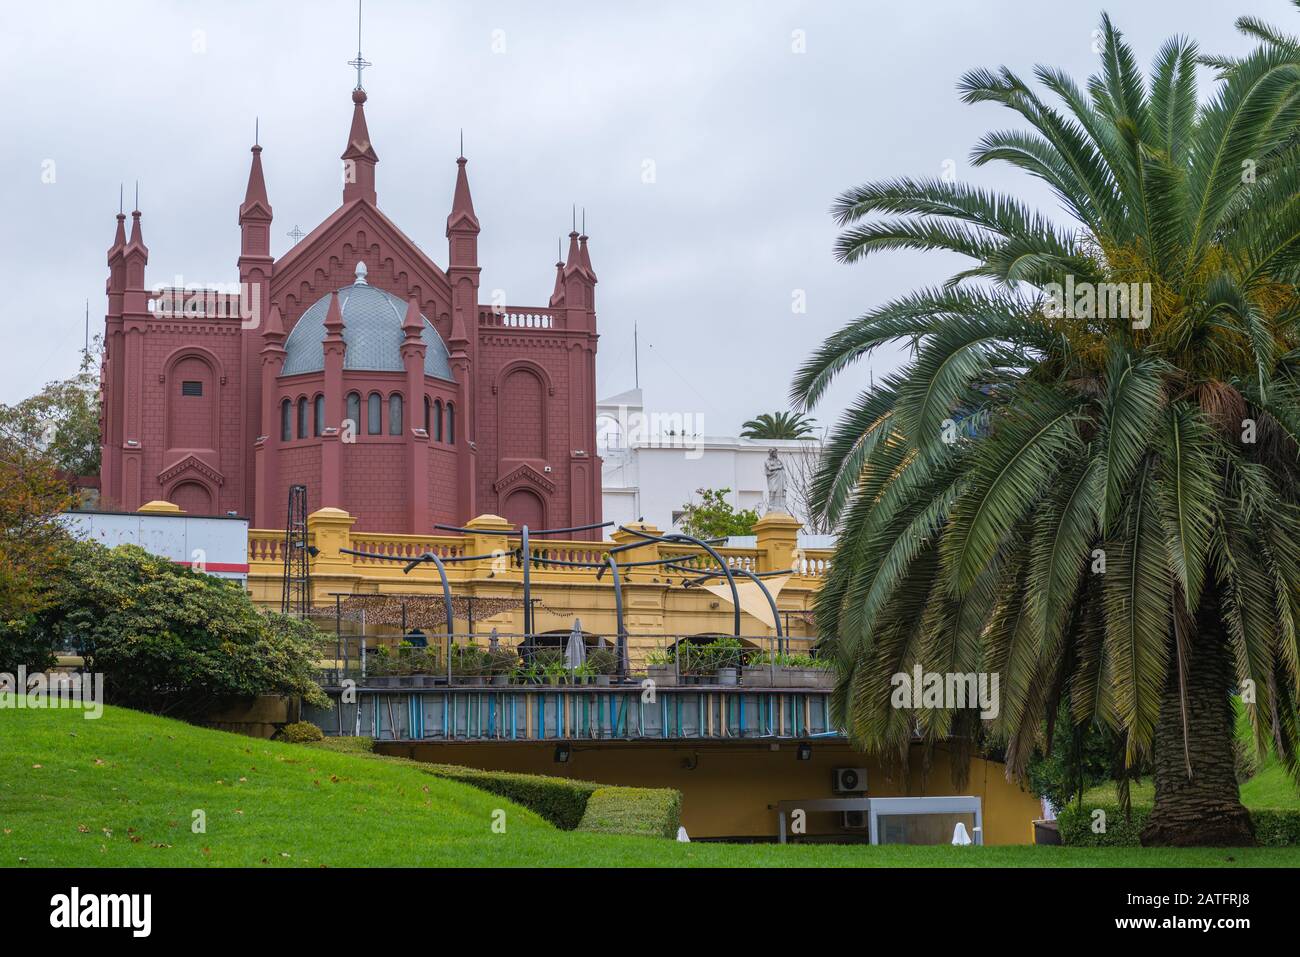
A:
[86, 350]
[257, 131]
[121, 191]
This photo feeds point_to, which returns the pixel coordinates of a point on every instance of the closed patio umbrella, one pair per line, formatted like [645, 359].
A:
[575, 652]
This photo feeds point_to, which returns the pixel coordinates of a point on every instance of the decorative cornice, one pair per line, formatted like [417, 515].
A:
[524, 474]
[191, 463]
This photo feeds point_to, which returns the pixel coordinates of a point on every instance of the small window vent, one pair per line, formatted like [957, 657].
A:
[191, 388]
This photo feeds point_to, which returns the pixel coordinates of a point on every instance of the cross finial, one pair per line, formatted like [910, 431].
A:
[360, 63]
[295, 234]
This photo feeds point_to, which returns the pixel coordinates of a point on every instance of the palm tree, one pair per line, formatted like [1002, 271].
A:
[778, 425]
[1098, 499]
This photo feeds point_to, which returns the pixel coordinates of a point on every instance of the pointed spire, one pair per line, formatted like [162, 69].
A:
[255, 194]
[586, 258]
[557, 294]
[136, 242]
[119, 237]
[459, 337]
[573, 262]
[359, 158]
[273, 333]
[462, 203]
[413, 324]
[334, 319]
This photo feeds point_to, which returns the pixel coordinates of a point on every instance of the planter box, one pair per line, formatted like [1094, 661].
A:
[810, 677]
[602, 681]
[727, 676]
[763, 676]
[664, 676]
[500, 681]
[383, 681]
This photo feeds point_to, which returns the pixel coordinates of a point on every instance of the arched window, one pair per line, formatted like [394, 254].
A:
[451, 424]
[427, 409]
[354, 410]
[374, 414]
[395, 414]
[318, 416]
[286, 421]
[302, 417]
[437, 420]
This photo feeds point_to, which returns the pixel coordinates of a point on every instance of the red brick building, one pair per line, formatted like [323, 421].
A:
[355, 365]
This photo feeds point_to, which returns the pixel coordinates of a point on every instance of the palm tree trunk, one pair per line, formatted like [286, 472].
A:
[1203, 807]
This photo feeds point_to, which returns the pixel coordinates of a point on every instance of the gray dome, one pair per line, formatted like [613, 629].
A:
[372, 330]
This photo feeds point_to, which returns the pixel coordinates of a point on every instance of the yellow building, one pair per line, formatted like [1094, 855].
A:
[559, 685]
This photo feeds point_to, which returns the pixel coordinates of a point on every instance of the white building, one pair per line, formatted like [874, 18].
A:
[655, 462]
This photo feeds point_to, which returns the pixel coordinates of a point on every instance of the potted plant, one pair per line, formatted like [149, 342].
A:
[423, 668]
[380, 670]
[468, 665]
[501, 664]
[554, 672]
[724, 656]
[604, 663]
[584, 674]
[661, 667]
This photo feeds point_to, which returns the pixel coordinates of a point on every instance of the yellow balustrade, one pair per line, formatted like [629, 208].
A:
[655, 601]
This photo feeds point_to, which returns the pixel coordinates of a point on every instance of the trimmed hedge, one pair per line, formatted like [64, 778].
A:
[1273, 827]
[347, 745]
[562, 801]
[568, 803]
[647, 812]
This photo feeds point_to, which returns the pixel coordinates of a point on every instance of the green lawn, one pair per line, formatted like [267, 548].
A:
[121, 791]
[1268, 788]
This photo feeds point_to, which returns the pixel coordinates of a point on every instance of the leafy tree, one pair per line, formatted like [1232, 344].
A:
[778, 425]
[1095, 498]
[32, 541]
[713, 516]
[170, 639]
[62, 419]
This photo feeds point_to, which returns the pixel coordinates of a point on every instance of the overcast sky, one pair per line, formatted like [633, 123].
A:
[748, 141]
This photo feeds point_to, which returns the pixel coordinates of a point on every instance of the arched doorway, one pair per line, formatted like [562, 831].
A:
[524, 507]
[193, 498]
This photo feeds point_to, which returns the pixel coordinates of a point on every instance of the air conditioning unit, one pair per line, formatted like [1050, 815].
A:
[854, 820]
[848, 780]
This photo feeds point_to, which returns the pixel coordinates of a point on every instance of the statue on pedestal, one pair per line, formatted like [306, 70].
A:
[774, 468]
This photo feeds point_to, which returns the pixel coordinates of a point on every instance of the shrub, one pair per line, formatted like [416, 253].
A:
[562, 801]
[1273, 827]
[1075, 823]
[300, 732]
[170, 639]
[647, 812]
[1278, 827]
